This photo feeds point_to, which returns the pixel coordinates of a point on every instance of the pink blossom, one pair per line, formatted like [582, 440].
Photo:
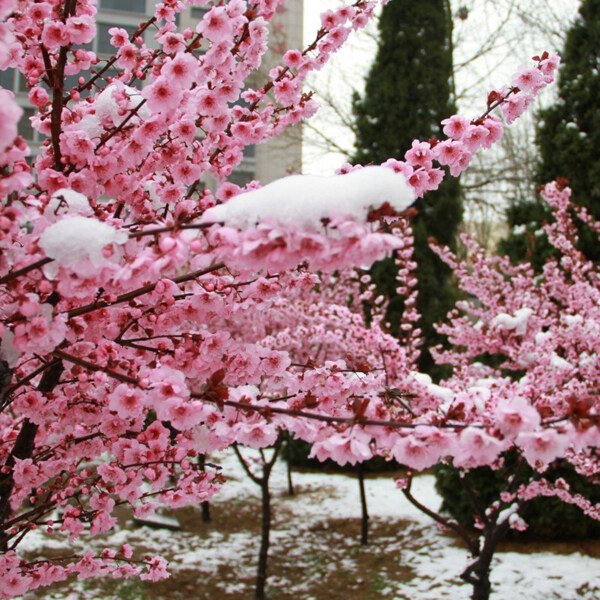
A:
[79, 145]
[9, 117]
[529, 79]
[183, 414]
[39, 11]
[128, 56]
[543, 446]
[181, 70]
[515, 106]
[162, 96]
[15, 584]
[172, 42]
[343, 449]
[126, 401]
[38, 96]
[275, 363]
[419, 181]
[215, 25]
[415, 453]
[292, 58]
[476, 448]
[118, 37]
[55, 35]
[255, 435]
[188, 173]
[436, 177]
[244, 132]
[330, 19]
[81, 30]
[447, 152]
[286, 91]
[157, 569]
[25, 473]
[185, 129]
[420, 155]
[455, 127]
[550, 64]
[475, 137]
[495, 130]
[460, 165]
[210, 104]
[516, 416]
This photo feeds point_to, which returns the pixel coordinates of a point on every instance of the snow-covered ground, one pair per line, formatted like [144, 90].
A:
[429, 560]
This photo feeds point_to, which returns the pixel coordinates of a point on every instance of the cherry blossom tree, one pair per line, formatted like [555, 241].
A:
[145, 322]
[538, 398]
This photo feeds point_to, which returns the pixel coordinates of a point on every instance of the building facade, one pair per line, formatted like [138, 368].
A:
[264, 162]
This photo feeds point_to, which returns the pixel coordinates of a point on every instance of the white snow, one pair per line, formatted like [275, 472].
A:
[573, 319]
[76, 238]
[107, 108]
[542, 336]
[306, 200]
[443, 393]
[431, 560]
[518, 322]
[91, 125]
[65, 201]
[507, 513]
[559, 362]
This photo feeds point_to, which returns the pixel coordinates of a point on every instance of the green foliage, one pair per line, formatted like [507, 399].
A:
[548, 518]
[568, 138]
[526, 241]
[407, 94]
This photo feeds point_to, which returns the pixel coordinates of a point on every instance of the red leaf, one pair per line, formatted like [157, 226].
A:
[493, 96]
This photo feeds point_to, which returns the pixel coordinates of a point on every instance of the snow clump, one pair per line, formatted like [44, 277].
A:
[307, 200]
[76, 238]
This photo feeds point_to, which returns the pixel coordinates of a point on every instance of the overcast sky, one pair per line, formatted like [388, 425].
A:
[512, 31]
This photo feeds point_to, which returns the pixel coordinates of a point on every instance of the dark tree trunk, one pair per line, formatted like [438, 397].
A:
[478, 572]
[206, 512]
[290, 483]
[263, 555]
[23, 448]
[364, 523]
[206, 504]
[266, 515]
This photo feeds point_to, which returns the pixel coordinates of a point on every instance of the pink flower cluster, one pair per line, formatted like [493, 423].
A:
[467, 137]
[128, 353]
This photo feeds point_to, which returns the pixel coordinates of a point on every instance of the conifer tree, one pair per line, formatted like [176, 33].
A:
[568, 138]
[408, 92]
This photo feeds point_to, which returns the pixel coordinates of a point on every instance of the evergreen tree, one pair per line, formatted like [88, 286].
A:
[568, 138]
[407, 94]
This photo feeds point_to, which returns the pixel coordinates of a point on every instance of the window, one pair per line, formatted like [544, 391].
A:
[240, 178]
[24, 127]
[198, 12]
[22, 84]
[12, 80]
[136, 6]
[7, 79]
[250, 151]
